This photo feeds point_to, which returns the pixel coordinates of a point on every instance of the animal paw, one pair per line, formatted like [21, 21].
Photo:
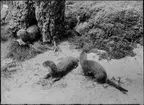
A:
[57, 79]
[105, 85]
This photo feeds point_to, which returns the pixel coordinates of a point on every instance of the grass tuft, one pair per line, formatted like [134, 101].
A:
[24, 52]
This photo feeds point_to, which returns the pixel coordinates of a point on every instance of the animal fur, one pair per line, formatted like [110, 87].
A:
[53, 68]
[30, 35]
[93, 68]
[62, 68]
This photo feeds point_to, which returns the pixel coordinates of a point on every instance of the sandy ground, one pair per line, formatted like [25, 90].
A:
[25, 85]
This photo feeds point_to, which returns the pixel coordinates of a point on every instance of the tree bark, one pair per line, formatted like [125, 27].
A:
[47, 14]
[50, 17]
[23, 15]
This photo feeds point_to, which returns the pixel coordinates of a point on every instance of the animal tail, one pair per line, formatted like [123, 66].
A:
[115, 85]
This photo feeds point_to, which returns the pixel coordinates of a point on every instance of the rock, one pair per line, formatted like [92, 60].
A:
[30, 35]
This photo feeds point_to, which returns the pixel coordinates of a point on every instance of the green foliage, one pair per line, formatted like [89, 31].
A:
[114, 31]
[24, 52]
[84, 14]
[71, 21]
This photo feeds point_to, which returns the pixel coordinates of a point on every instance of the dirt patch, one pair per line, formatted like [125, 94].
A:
[25, 85]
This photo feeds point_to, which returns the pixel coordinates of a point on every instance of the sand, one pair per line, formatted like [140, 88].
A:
[26, 86]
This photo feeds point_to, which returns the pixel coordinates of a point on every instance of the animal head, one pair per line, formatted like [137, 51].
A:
[48, 63]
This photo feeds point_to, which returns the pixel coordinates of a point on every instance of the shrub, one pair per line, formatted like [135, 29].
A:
[71, 21]
[5, 33]
[84, 14]
[23, 52]
[116, 32]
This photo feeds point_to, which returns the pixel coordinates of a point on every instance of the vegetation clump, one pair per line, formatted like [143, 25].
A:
[24, 52]
[117, 32]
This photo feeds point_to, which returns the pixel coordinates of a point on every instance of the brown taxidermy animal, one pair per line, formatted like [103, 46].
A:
[30, 35]
[58, 71]
[94, 69]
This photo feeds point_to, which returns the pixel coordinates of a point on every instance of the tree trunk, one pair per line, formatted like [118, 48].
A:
[47, 14]
[23, 15]
[50, 17]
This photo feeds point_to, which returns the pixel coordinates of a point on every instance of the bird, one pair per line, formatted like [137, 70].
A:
[95, 70]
